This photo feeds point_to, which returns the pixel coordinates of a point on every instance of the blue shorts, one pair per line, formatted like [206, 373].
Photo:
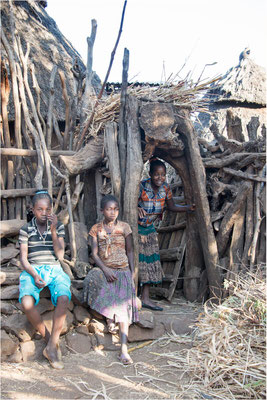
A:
[54, 276]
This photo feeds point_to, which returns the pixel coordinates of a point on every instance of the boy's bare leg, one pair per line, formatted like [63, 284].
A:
[34, 316]
[124, 357]
[51, 349]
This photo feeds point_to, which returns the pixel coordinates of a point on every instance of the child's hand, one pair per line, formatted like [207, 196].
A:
[141, 212]
[53, 221]
[191, 207]
[109, 275]
[39, 282]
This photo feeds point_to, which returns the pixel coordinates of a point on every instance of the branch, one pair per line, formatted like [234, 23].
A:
[244, 175]
[88, 123]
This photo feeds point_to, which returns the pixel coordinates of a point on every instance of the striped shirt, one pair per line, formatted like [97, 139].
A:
[40, 247]
[153, 203]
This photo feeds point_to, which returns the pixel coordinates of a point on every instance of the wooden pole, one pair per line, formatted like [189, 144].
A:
[67, 110]
[198, 182]
[88, 90]
[50, 107]
[111, 147]
[122, 142]
[88, 123]
[134, 168]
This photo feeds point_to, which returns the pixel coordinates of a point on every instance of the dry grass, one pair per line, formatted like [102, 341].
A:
[184, 93]
[227, 359]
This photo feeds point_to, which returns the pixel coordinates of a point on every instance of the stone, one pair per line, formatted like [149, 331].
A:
[10, 292]
[96, 314]
[63, 347]
[7, 253]
[15, 357]
[139, 303]
[137, 334]
[48, 321]
[96, 326]
[6, 308]
[76, 296]
[19, 326]
[8, 345]
[28, 350]
[106, 341]
[32, 350]
[45, 305]
[81, 315]
[83, 329]
[78, 343]
[179, 325]
[70, 306]
[146, 319]
[45, 293]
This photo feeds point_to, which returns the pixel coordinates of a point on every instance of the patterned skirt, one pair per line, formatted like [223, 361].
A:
[115, 300]
[150, 271]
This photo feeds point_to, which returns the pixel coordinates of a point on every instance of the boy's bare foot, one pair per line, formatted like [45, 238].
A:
[54, 357]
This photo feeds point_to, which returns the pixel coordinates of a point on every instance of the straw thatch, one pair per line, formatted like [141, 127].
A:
[242, 91]
[184, 93]
[48, 47]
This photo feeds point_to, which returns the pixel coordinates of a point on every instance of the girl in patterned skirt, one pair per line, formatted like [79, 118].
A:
[109, 287]
[154, 194]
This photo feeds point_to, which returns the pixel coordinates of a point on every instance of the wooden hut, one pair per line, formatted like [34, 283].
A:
[237, 103]
[105, 151]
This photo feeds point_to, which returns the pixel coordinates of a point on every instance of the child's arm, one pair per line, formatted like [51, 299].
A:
[39, 282]
[176, 208]
[129, 251]
[107, 271]
[58, 242]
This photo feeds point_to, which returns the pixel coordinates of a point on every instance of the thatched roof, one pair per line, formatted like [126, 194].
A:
[48, 46]
[245, 83]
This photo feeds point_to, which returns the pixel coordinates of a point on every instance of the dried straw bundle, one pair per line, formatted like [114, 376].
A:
[182, 94]
[227, 360]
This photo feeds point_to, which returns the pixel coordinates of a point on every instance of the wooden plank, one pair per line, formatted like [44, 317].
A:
[171, 254]
[177, 267]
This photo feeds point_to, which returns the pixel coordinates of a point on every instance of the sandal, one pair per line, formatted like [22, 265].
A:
[125, 360]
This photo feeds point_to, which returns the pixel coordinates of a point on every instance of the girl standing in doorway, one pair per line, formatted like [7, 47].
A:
[154, 194]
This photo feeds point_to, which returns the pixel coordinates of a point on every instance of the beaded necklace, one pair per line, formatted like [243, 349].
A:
[44, 234]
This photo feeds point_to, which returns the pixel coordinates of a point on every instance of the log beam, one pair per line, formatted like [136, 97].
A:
[12, 193]
[12, 151]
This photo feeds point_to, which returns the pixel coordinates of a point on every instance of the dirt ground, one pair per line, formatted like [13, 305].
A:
[99, 375]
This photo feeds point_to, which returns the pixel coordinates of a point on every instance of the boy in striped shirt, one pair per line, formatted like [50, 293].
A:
[41, 247]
